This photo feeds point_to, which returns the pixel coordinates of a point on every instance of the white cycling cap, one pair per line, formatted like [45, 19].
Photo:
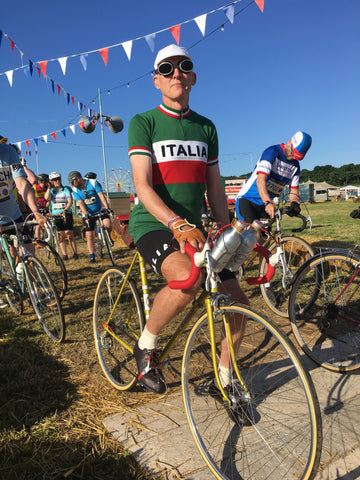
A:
[171, 51]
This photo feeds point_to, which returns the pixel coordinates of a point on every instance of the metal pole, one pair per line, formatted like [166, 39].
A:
[103, 149]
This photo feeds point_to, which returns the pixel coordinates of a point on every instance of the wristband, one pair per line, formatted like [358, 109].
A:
[172, 220]
[268, 202]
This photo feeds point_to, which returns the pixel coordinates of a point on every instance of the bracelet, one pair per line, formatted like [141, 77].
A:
[172, 220]
[268, 202]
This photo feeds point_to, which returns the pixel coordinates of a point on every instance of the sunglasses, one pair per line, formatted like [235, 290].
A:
[167, 68]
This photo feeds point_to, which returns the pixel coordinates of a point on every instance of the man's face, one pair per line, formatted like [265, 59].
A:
[289, 150]
[177, 85]
[78, 182]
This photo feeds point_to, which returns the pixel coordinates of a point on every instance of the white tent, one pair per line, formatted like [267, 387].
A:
[349, 187]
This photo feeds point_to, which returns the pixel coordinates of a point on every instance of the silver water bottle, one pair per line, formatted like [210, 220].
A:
[249, 239]
[226, 245]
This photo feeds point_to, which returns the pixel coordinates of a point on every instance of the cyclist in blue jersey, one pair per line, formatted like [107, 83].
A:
[91, 200]
[277, 167]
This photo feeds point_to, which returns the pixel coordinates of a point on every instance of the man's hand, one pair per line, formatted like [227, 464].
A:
[186, 232]
[40, 219]
[294, 209]
[355, 213]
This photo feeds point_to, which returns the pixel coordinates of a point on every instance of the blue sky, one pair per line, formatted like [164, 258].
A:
[294, 67]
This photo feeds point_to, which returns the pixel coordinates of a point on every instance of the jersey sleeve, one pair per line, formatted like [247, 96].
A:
[139, 136]
[295, 181]
[266, 160]
[213, 145]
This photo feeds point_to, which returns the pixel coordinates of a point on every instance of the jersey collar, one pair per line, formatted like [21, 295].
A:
[171, 112]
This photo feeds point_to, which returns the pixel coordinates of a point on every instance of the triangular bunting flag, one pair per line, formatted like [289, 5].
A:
[27, 143]
[54, 135]
[229, 11]
[63, 132]
[19, 145]
[62, 62]
[201, 23]
[260, 4]
[53, 85]
[68, 97]
[45, 137]
[175, 30]
[104, 52]
[31, 67]
[43, 66]
[38, 70]
[83, 60]
[27, 71]
[127, 47]
[58, 89]
[9, 75]
[12, 44]
[73, 100]
[72, 128]
[36, 141]
[150, 41]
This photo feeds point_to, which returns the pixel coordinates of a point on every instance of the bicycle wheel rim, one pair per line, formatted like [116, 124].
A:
[325, 326]
[54, 266]
[127, 322]
[44, 298]
[296, 252]
[10, 286]
[285, 439]
[108, 245]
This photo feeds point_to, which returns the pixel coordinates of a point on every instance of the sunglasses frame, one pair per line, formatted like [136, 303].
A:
[179, 66]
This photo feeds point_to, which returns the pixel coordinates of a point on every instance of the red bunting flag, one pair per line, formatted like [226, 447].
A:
[54, 135]
[43, 66]
[58, 89]
[73, 101]
[104, 53]
[12, 44]
[260, 4]
[38, 70]
[176, 33]
[27, 143]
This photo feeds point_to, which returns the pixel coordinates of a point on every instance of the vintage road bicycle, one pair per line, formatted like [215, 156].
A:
[324, 309]
[268, 375]
[30, 281]
[292, 252]
[102, 241]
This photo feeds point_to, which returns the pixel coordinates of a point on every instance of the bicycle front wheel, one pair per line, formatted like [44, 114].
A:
[118, 320]
[44, 298]
[276, 294]
[53, 264]
[108, 242]
[9, 286]
[324, 310]
[284, 439]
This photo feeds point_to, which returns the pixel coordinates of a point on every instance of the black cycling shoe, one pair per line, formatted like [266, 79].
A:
[239, 412]
[150, 375]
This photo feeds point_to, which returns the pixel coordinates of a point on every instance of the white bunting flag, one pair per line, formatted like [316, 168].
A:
[9, 75]
[62, 62]
[230, 13]
[72, 128]
[45, 137]
[127, 47]
[201, 22]
[150, 40]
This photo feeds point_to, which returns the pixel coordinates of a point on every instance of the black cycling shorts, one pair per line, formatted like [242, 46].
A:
[64, 224]
[157, 245]
[89, 224]
[249, 211]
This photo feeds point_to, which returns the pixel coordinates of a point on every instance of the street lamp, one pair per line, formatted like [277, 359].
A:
[115, 125]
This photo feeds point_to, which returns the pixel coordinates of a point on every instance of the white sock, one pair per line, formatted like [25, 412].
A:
[225, 375]
[147, 340]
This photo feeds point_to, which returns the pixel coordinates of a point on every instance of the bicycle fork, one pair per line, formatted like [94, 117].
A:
[211, 312]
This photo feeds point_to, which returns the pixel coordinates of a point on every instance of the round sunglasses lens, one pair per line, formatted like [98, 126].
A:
[165, 68]
[186, 66]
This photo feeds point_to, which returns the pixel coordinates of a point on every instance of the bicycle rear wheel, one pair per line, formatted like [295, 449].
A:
[9, 286]
[296, 252]
[324, 318]
[108, 242]
[284, 441]
[44, 298]
[54, 266]
[118, 320]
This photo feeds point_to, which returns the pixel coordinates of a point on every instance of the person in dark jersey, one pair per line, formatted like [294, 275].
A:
[174, 155]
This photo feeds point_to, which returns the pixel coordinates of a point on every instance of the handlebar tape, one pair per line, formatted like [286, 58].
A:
[194, 275]
[300, 229]
[270, 271]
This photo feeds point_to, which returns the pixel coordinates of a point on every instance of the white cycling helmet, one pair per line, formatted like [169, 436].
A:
[54, 175]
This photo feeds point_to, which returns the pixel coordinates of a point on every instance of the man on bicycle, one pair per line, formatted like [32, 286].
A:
[40, 189]
[174, 157]
[11, 170]
[91, 200]
[277, 167]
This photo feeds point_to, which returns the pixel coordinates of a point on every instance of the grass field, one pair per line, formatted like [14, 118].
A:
[53, 398]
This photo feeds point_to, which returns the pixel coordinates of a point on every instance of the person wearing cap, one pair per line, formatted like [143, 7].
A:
[11, 171]
[174, 155]
[60, 200]
[91, 200]
[40, 188]
[277, 167]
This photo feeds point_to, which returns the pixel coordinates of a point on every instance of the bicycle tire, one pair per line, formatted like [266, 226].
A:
[44, 298]
[54, 266]
[284, 441]
[328, 332]
[127, 323]
[296, 251]
[10, 287]
[108, 242]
